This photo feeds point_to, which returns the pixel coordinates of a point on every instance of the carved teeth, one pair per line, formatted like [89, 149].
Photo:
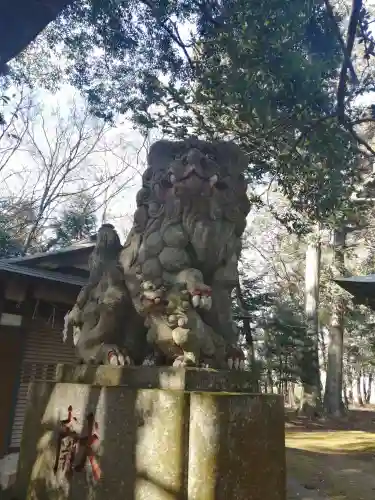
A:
[181, 322]
[172, 178]
[213, 180]
[147, 285]
[206, 302]
[196, 300]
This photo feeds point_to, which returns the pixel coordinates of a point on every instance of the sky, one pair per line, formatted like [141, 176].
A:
[125, 143]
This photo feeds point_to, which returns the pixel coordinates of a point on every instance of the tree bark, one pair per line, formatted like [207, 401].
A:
[291, 396]
[368, 394]
[269, 382]
[359, 393]
[350, 385]
[345, 393]
[248, 334]
[364, 388]
[311, 398]
[333, 403]
[246, 323]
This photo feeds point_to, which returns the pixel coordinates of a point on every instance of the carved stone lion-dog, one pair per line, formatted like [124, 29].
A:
[165, 297]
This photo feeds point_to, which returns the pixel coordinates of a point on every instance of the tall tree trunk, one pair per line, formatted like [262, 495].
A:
[281, 373]
[368, 395]
[291, 396]
[364, 388]
[246, 323]
[359, 393]
[350, 384]
[310, 374]
[333, 403]
[248, 334]
[269, 381]
[345, 393]
[323, 349]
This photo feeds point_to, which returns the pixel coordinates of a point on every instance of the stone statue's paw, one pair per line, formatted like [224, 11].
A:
[201, 297]
[208, 364]
[182, 362]
[235, 358]
[116, 358]
[151, 295]
[149, 361]
[236, 364]
[177, 320]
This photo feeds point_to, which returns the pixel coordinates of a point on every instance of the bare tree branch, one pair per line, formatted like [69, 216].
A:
[347, 63]
[347, 55]
[68, 154]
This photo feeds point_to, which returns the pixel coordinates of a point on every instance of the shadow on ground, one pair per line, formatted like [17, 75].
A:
[355, 420]
[334, 458]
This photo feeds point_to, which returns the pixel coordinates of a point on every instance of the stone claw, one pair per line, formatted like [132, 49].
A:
[236, 364]
[181, 322]
[149, 361]
[175, 320]
[196, 300]
[235, 359]
[206, 302]
[201, 297]
[207, 364]
[182, 361]
[115, 358]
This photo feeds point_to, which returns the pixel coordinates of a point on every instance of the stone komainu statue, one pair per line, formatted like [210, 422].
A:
[165, 297]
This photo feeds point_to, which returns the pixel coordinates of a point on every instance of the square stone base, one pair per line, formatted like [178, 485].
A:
[163, 433]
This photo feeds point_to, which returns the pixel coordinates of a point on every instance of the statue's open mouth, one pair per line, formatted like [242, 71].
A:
[213, 180]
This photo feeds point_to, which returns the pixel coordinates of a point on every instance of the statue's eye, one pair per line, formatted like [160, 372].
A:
[220, 185]
[181, 158]
[210, 156]
[166, 183]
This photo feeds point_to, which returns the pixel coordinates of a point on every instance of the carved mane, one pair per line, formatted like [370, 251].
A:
[230, 164]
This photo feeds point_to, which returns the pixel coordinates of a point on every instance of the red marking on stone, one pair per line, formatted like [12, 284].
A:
[206, 291]
[78, 443]
[110, 355]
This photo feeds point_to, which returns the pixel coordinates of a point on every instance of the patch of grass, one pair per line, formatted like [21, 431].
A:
[332, 442]
[338, 464]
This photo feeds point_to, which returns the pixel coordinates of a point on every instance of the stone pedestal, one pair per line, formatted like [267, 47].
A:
[160, 434]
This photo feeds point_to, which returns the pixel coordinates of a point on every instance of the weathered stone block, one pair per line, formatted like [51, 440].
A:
[159, 439]
[236, 447]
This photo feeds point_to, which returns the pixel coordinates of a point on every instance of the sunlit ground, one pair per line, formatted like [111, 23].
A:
[337, 464]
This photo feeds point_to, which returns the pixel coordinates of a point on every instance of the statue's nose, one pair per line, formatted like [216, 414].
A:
[195, 158]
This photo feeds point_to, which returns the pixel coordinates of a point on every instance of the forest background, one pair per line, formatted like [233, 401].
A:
[291, 82]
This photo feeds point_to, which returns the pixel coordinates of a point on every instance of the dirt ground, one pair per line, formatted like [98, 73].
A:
[333, 458]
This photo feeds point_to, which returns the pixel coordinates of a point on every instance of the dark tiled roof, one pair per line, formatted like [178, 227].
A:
[369, 278]
[360, 287]
[8, 267]
[44, 255]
